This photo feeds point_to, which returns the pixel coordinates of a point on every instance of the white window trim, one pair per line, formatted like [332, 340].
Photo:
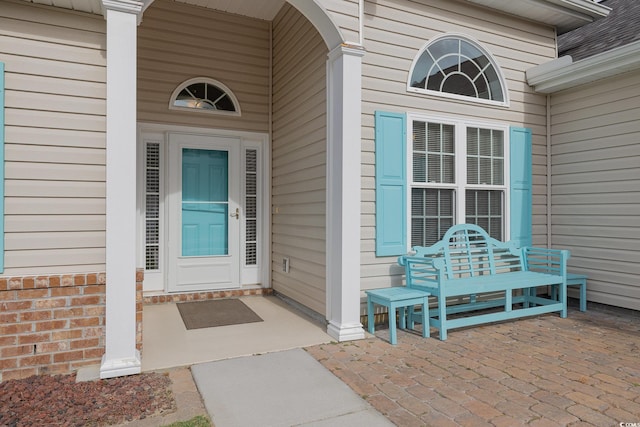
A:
[460, 126]
[479, 46]
[213, 82]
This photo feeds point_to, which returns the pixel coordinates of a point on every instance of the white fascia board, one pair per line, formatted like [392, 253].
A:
[589, 7]
[563, 73]
[563, 14]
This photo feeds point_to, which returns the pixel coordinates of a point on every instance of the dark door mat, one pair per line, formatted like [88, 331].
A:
[212, 313]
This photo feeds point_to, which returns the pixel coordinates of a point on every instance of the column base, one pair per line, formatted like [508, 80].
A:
[120, 367]
[346, 332]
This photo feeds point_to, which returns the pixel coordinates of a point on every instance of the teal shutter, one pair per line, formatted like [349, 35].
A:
[521, 186]
[1, 167]
[391, 183]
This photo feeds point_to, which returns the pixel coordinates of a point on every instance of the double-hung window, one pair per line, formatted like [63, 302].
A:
[457, 174]
[432, 173]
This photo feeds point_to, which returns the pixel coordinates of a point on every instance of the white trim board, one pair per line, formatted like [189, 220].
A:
[563, 73]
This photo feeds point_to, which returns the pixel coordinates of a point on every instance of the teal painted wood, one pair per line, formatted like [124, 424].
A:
[1, 167]
[391, 183]
[467, 262]
[521, 186]
[398, 298]
[574, 279]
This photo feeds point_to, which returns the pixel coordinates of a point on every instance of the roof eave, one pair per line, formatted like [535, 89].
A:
[563, 73]
[565, 15]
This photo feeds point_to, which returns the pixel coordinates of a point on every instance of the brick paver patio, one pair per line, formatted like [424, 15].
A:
[544, 371]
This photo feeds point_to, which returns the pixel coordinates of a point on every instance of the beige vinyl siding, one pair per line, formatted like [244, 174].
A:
[299, 159]
[395, 32]
[178, 42]
[345, 15]
[54, 139]
[596, 185]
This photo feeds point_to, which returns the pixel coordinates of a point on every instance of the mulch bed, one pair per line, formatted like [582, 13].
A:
[60, 401]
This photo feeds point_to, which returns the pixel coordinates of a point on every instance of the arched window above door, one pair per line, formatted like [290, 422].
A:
[204, 95]
[457, 66]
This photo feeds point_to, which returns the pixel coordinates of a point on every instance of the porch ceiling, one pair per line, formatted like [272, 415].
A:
[262, 9]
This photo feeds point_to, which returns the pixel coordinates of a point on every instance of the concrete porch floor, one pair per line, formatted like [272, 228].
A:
[167, 343]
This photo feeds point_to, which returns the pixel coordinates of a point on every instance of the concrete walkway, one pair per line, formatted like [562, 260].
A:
[288, 388]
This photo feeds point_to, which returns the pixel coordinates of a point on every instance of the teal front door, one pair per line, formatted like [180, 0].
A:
[205, 202]
[204, 213]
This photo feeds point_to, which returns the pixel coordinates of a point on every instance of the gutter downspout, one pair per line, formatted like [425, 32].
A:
[549, 234]
[548, 170]
[361, 21]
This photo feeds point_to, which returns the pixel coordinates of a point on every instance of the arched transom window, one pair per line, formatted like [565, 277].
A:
[205, 95]
[457, 66]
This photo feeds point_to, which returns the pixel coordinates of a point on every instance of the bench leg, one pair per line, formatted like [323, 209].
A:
[392, 324]
[442, 317]
[425, 319]
[370, 316]
[563, 300]
[411, 323]
[583, 292]
[403, 317]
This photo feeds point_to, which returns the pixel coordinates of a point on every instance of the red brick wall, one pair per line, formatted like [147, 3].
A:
[54, 324]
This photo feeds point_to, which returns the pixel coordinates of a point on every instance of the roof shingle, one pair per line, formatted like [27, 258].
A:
[621, 27]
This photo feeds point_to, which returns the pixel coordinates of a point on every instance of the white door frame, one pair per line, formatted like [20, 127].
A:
[157, 281]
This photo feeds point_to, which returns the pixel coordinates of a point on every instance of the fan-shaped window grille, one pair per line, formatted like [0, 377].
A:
[204, 95]
[458, 67]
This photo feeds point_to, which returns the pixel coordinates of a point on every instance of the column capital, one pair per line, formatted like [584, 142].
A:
[346, 49]
[135, 7]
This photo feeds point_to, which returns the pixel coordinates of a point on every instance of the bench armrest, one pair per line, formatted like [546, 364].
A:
[551, 261]
[421, 272]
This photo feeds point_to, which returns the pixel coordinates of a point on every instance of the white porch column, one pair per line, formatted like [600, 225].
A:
[121, 356]
[344, 83]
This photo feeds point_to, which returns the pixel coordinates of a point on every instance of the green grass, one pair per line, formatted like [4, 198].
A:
[199, 421]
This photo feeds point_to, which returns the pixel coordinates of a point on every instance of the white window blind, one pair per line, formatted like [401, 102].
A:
[440, 195]
[251, 207]
[152, 206]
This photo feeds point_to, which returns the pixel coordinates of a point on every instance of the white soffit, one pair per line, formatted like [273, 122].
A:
[261, 9]
[565, 15]
[90, 6]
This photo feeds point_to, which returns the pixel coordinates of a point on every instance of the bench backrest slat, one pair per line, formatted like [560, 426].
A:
[468, 250]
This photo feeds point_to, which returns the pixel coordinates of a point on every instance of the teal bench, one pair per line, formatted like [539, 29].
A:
[574, 279]
[398, 298]
[467, 263]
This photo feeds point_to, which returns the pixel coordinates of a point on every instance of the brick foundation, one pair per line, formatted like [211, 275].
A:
[199, 296]
[55, 324]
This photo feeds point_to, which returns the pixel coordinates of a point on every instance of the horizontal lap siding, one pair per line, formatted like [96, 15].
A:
[596, 185]
[344, 14]
[177, 42]
[299, 159]
[394, 33]
[54, 139]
